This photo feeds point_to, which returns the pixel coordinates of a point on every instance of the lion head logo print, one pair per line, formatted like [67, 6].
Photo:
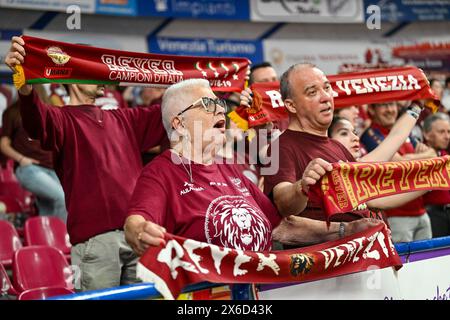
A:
[301, 263]
[233, 222]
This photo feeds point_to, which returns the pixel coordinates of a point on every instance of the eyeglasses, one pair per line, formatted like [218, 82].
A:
[209, 104]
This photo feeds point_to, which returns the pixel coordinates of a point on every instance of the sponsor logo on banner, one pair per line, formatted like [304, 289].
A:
[402, 10]
[217, 9]
[56, 72]
[57, 55]
[249, 49]
[117, 7]
[307, 11]
[188, 187]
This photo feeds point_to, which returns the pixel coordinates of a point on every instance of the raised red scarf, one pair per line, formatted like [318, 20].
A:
[50, 61]
[184, 261]
[384, 85]
[349, 185]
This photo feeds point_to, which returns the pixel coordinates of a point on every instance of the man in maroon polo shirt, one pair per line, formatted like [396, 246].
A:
[306, 153]
[97, 158]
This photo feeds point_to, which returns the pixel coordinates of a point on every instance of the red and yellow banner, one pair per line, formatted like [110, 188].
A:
[184, 261]
[59, 62]
[351, 184]
[375, 86]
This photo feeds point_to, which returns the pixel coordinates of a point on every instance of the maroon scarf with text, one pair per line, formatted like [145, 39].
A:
[349, 185]
[376, 86]
[184, 261]
[50, 61]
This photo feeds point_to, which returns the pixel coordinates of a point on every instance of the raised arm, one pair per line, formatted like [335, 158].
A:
[41, 121]
[147, 125]
[396, 137]
[16, 56]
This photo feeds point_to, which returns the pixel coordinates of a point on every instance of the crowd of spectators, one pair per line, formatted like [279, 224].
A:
[82, 147]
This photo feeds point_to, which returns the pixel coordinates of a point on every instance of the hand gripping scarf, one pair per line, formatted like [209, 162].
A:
[58, 62]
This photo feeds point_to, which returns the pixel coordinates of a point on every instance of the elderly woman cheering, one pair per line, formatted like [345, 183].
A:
[185, 192]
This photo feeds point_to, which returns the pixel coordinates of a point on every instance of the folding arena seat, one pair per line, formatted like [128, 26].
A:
[9, 243]
[16, 202]
[10, 186]
[10, 204]
[47, 230]
[43, 293]
[40, 266]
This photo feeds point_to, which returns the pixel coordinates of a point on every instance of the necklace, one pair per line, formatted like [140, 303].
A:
[189, 172]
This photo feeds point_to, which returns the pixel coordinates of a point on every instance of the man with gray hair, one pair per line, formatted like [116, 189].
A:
[306, 154]
[436, 131]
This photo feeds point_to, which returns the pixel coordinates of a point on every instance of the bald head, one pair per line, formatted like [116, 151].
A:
[286, 78]
[308, 98]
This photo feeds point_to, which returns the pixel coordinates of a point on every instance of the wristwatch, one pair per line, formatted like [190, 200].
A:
[341, 229]
[414, 110]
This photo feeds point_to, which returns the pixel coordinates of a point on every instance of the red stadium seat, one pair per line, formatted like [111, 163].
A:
[9, 243]
[5, 284]
[44, 293]
[40, 266]
[10, 204]
[11, 188]
[49, 231]
[15, 201]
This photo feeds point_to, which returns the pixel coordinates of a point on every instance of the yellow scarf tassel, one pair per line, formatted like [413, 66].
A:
[18, 77]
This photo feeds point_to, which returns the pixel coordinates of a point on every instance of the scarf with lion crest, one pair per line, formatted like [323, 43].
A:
[50, 61]
[184, 261]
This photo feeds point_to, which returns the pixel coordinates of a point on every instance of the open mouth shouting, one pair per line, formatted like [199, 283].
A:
[220, 124]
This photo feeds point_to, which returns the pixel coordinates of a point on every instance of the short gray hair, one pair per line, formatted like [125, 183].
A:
[285, 85]
[428, 122]
[178, 97]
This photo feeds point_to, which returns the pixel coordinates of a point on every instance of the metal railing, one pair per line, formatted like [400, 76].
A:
[130, 292]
